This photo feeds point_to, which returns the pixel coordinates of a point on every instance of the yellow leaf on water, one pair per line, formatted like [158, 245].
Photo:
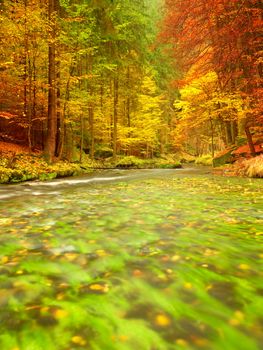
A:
[244, 267]
[239, 315]
[175, 258]
[99, 287]
[77, 339]
[200, 342]
[4, 259]
[188, 285]
[60, 296]
[44, 309]
[70, 256]
[59, 314]
[101, 252]
[162, 320]
[181, 342]
[123, 338]
[237, 319]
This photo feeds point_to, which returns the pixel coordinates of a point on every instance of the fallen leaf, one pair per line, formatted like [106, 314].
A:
[244, 267]
[77, 339]
[4, 259]
[96, 287]
[175, 258]
[59, 314]
[188, 285]
[181, 342]
[162, 320]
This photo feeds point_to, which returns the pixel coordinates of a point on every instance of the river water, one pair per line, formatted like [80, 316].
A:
[132, 259]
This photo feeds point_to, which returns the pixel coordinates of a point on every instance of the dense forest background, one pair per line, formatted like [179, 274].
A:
[103, 78]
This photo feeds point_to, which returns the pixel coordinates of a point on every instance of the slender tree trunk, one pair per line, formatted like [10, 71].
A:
[115, 115]
[29, 110]
[34, 101]
[250, 141]
[59, 114]
[81, 136]
[212, 138]
[234, 130]
[50, 146]
[228, 133]
[91, 128]
[128, 99]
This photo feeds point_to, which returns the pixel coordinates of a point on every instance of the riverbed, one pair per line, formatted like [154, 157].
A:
[132, 259]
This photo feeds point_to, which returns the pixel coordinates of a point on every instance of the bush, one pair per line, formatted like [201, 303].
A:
[205, 159]
[254, 167]
[103, 152]
[129, 162]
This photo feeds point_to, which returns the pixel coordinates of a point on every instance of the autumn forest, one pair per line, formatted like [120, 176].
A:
[131, 166]
[142, 78]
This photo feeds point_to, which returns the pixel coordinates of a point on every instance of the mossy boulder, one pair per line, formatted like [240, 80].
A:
[225, 157]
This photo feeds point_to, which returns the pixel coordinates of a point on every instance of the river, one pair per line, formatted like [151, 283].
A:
[132, 259]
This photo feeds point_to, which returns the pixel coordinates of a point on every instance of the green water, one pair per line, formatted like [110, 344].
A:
[147, 261]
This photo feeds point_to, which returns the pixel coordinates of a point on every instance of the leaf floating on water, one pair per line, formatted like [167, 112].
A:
[101, 252]
[77, 339]
[137, 273]
[201, 342]
[71, 256]
[244, 267]
[210, 252]
[123, 338]
[175, 258]
[162, 320]
[237, 318]
[60, 313]
[188, 285]
[4, 259]
[96, 288]
[181, 342]
[60, 296]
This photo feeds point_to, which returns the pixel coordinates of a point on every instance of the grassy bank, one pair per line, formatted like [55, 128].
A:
[252, 167]
[21, 167]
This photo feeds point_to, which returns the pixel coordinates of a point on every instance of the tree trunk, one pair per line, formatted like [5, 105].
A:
[234, 131]
[212, 138]
[81, 137]
[228, 133]
[91, 128]
[115, 115]
[128, 100]
[50, 146]
[250, 141]
[59, 136]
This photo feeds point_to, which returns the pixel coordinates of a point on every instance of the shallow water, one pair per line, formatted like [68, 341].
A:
[143, 259]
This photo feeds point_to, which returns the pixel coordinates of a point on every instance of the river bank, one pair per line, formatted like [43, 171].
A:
[17, 164]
